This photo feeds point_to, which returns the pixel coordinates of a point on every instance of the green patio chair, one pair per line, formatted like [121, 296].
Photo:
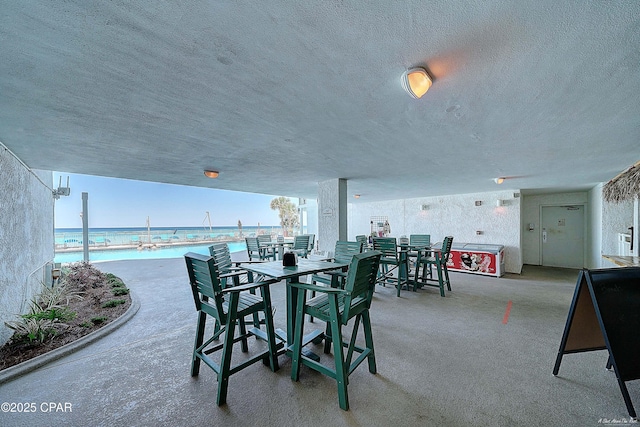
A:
[343, 253]
[392, 261]
[364, 240]
[253, 248]
[439, 260]
[301, 245]
[312, 243]
[423, 240]
[266, 252]
[337, 307]
[228, 307]
[420, 240]
[230, 273]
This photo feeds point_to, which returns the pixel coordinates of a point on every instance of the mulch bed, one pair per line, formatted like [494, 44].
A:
[96, 290]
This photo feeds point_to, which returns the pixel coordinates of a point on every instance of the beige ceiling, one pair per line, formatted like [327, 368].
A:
[279, 95]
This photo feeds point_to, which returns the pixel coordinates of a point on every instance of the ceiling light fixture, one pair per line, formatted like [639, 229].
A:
[211, 174]
[499, 180]
[416, 82]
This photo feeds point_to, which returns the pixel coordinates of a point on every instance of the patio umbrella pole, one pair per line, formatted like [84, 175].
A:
[148, 231]
[85, 226]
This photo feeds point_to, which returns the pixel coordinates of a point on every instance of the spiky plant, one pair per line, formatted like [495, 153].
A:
[34, 330]
[59, 294]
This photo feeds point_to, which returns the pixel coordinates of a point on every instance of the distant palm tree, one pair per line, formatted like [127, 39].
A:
[288, 214]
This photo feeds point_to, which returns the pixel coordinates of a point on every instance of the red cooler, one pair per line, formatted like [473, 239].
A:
[477, 258]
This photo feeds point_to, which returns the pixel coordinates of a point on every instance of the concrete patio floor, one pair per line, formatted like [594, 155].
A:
[441, 361]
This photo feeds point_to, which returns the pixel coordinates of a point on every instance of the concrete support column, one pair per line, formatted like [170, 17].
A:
[332, 213]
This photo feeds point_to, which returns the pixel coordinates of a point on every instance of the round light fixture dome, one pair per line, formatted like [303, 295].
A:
[416, 82]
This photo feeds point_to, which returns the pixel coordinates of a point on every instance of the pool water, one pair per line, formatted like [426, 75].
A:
[121, 254]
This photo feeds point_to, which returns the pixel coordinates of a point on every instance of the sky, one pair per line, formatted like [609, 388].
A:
[116, 202]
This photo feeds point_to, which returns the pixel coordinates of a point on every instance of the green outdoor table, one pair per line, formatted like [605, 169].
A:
[404, 249]
[278, 245]
[275, 270]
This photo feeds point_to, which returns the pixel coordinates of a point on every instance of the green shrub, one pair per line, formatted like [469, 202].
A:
[59, 294]
[120, 291]
[33, 330]
[47, 312]
[113, 303]
[55, 314]
[99, 320]
[117, 283]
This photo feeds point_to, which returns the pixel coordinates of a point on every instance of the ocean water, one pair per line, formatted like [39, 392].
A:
[72, 237]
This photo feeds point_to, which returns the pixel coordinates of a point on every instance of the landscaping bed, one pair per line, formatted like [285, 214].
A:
[89, 300]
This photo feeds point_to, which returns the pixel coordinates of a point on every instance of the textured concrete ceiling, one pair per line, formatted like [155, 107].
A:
[279, 95]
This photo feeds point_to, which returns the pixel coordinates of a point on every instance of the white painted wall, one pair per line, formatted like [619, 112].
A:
[616, 218]
[26, 236]
[594, 218]
[531, 208]
[311, 205]
[449, 215]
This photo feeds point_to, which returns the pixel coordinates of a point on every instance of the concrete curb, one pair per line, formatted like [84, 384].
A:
[27, 366]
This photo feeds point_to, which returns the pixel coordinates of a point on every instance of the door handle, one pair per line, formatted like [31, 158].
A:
[544, 236]
[631, 228]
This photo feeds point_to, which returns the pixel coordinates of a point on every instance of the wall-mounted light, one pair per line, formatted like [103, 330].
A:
[424, 207]
[61, 191]
[356, 196]
[416, 82]
[499, 180]
[478, 202]
[211, 174]
[499, 202]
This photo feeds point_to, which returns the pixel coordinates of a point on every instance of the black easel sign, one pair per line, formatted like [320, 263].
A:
[605, 314]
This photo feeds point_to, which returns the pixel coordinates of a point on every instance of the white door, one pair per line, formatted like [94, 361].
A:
[563, 236]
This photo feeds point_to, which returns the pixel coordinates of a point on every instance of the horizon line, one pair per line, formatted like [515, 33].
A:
[174, 226]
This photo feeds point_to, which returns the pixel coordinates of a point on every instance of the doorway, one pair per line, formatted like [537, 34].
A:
[563, 236]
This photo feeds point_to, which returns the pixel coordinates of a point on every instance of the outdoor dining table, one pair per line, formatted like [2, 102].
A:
[275, 270]
[278, 245]
[404, 249]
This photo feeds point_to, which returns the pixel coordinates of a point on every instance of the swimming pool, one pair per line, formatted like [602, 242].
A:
[165, 252]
